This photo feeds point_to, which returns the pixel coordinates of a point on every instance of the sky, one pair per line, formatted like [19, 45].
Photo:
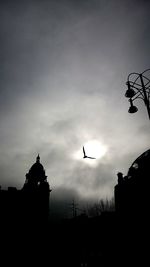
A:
[64, 67]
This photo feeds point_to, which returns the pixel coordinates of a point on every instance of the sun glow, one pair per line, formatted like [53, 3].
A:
[93, 148]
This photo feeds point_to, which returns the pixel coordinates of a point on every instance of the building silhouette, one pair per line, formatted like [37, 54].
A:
[132, 191]
[111, 238]
[31, 203]
[132, 213]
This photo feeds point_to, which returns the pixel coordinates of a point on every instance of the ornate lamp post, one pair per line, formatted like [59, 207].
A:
[138, 87]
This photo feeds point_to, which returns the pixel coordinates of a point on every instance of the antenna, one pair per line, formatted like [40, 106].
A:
[74, 208]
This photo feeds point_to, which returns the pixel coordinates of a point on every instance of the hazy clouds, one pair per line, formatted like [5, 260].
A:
[64, 66]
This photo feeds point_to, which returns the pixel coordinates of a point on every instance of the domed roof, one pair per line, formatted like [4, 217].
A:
[141, 166]
[37, 167]
[36, 172]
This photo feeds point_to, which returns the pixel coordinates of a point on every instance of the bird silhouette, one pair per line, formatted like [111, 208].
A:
[85, 156]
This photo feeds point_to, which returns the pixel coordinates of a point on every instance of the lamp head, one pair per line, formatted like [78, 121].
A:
[132, 108]
[130, 92]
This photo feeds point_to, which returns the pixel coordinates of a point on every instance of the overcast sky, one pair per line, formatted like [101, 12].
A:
[64, 67]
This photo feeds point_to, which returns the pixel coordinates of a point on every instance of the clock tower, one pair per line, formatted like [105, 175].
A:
[36, 193]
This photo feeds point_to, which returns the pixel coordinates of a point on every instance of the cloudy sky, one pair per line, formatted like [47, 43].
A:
[64, 67]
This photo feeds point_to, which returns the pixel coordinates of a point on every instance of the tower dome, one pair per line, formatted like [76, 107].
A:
[141, 166]
[36, 174]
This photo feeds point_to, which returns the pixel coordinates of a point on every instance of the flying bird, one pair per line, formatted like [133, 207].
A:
[85, 156]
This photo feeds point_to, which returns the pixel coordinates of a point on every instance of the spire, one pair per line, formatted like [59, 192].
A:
[38, 158]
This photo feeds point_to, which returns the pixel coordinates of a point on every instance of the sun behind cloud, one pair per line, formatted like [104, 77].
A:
[93, 148]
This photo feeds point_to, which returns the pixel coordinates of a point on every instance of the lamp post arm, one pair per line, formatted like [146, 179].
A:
[134, 84]
[132, 73]
[139, 90]
[146, 99]
[137, 96]
[145, 71]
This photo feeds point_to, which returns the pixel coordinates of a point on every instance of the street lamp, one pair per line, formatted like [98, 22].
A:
[138, 87]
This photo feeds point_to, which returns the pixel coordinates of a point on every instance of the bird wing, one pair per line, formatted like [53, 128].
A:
[91, 158]
[84, 151]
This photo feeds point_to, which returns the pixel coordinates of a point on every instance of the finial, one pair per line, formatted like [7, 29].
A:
[38, 158]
